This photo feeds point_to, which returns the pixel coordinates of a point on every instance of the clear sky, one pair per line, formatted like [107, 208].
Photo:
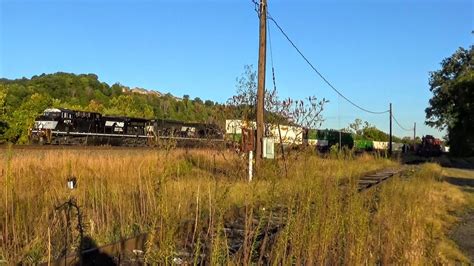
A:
[374, 51]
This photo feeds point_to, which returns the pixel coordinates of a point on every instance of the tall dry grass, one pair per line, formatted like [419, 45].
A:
[187, 199]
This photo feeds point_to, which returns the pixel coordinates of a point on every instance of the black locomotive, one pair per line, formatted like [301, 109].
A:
[64, 126]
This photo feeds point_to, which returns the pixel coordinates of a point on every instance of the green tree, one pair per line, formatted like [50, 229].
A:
[365, 131]
[452, 104]
[3, 123]
[198, 100]
[23, 118]
[3, 96]
[356, 127]
[209, 103]
[85, 92]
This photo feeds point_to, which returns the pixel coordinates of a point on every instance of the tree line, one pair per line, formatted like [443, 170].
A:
[22, 100]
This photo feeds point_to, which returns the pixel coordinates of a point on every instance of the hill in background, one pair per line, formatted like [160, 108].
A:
[21, 100]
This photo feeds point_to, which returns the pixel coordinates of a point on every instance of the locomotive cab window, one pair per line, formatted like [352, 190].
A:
[52, 114]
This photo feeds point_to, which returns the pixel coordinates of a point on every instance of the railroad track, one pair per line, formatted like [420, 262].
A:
[194, 144]
[367, 181]
[131, 251]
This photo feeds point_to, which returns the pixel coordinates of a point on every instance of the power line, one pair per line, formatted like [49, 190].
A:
[396, 121]
[269, 17]
[319, 73]
[271, 59]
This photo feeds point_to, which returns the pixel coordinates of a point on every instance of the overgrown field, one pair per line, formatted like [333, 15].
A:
[186, 198]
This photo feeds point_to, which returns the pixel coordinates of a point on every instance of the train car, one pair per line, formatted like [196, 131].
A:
[364, 145]
[372, 145]
[336, 137]
[322, 139]
[185, 130]
[55, 126]
[292, 135]
[286, 134]
[430, 146]
[70, 127]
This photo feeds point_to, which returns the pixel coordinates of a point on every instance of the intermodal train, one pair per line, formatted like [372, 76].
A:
[322, 139]
[70, 127]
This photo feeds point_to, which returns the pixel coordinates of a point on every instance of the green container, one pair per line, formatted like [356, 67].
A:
[313, 134]
[332, 136]
[364, 144]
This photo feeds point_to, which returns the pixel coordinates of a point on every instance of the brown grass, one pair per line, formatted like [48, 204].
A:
[190, 196]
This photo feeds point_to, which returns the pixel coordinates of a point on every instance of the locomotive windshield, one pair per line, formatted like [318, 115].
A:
[53, 113]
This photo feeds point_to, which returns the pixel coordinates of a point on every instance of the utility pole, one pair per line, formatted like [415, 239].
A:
[390, 138]
[262, 58]
[414, 135]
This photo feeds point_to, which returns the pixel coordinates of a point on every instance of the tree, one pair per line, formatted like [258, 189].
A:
[306, 113]
[185, 101]
[365, 131]
[85, 92]
[452, 104]
[116, 89]
[3, 96]
[198, 100]
[23, 118]
[3, 123]
[356, 127]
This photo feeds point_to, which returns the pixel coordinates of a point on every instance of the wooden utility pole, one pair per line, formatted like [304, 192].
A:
[414, 134]
[262, 58]
[390, 138]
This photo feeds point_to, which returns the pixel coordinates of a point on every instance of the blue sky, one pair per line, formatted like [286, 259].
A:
[375, 52]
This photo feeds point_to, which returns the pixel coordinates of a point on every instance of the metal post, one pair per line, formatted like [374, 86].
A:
[390, 139]
[261, 79]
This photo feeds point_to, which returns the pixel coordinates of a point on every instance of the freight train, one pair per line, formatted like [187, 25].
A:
[430, 146]
[323, 140]
[69, 127]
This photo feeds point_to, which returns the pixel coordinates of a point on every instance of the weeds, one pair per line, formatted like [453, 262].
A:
[198, 206]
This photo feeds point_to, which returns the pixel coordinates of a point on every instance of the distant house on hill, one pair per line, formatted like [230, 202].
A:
[146, 92]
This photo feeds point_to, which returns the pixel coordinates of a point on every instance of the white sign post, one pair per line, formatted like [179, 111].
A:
[250, 165]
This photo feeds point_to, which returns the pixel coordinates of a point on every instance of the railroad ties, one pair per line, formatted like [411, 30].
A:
[370, 180]
[131, 251]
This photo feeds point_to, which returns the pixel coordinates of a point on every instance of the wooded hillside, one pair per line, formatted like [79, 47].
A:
[21, 100]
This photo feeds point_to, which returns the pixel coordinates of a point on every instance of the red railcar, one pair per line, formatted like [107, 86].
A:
[430, 146]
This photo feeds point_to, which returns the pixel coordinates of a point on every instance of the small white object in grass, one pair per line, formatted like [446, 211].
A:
[263, 208]
[177, 261]
[71, 182]
[137, 252]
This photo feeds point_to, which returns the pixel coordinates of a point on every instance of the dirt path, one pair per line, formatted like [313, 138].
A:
[463, 233]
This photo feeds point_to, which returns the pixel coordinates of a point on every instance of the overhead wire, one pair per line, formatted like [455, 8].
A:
[271, 58]
[319, 73]
[269, 17]
[396, 122]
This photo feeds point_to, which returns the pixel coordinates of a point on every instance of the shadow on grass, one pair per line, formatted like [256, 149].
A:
[465, 183]
[93, 256]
